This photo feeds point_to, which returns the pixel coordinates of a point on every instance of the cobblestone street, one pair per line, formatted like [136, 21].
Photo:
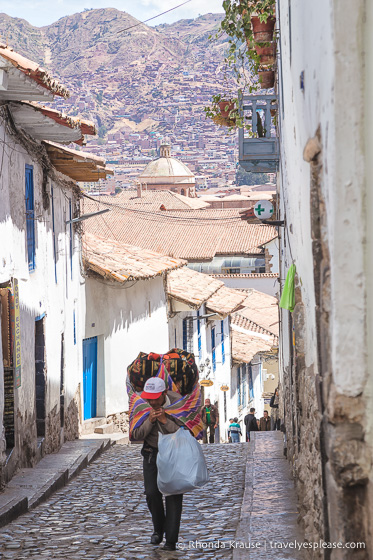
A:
[102, 514]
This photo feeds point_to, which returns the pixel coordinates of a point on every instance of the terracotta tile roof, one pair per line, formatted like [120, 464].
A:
[192, 235]
[225, 301]
[244, 323]
[33, 71]
[79, 166]
[191, 287]
[259, 309]
[244, 346]
[153, 200]
[119, 262]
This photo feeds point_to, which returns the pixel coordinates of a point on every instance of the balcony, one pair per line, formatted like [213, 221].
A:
[258, 147]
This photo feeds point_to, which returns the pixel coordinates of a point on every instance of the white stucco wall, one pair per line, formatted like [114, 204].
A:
[39, 292]
[310, 45]
[127, 320]
[262, 284]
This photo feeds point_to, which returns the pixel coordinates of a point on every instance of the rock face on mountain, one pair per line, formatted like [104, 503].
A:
[139, 72]
[96, 39]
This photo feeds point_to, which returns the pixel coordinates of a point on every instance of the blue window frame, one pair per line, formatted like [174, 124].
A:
[199, 336]
[243, 381]
[188, 335]
[54, 237]
[251, 385]
[239, 386]
[213, 349]
[222, 343]
[30, 215]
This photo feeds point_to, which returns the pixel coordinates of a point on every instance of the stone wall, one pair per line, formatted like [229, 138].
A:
[72, 415]
[120, 420]
[52, 440]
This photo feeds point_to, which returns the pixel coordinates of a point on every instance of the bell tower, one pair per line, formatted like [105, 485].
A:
[165, 150]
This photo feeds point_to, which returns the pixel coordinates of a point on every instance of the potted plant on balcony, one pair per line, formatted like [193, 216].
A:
[223, 111]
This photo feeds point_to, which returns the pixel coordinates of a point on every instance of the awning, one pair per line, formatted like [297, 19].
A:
[22, 79]
[44, 123]
[79, 166]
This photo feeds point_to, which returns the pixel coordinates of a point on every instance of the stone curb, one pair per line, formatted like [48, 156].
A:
[32, 486]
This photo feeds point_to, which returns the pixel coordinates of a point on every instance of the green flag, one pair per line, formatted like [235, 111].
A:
[288, 293]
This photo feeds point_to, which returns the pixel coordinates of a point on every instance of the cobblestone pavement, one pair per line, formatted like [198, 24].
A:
[102, 514]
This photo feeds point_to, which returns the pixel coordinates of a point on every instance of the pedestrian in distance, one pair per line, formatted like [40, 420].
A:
[265, 422]
[275, 412]
[164, 522]
[235, 431]
[251, 423]
[210, 420]
[229, 434]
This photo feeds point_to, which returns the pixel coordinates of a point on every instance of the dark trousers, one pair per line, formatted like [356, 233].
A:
[168, 522]
[211, 429]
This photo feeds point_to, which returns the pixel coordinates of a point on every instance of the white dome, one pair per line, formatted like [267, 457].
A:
[166, 169]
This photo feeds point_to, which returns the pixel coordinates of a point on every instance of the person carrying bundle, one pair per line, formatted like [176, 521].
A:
[164, 395]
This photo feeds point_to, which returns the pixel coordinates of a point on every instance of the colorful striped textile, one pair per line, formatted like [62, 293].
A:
[186, 409]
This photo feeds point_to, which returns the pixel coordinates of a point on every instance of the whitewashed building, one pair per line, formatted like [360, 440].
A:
[125, 309]
[40, 353]
[199, 322]
[326, 200]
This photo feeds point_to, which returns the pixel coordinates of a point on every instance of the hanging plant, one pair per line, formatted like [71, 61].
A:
[245, 56]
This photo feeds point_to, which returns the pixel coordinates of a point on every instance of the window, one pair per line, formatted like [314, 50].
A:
[243, 380]
[30, 215]
[213, 349]
[54, 237]
[199, 336]
[188, 335]
[239, 402]
[251, 386]
[222, 343]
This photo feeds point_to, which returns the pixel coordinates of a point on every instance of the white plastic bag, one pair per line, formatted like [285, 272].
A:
[181, 463]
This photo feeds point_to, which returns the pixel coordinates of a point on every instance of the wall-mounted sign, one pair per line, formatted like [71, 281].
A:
[206, 383]
[17, 335]
[224, 388]
[263, 209]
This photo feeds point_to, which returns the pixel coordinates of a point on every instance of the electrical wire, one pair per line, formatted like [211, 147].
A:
[166, 216]
[154, 17]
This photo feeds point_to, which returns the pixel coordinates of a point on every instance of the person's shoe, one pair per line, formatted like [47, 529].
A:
[169, 546]
[156, 538]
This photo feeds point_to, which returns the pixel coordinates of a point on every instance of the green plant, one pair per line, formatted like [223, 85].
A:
[241, 56]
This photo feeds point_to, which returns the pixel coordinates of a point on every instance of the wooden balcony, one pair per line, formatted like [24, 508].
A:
[258, 147]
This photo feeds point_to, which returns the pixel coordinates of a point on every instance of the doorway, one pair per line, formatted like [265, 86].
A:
[7, 342]
[90, 377]
[40, 377]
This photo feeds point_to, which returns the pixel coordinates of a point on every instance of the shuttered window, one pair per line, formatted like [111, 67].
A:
[213, 349]
[30, 215]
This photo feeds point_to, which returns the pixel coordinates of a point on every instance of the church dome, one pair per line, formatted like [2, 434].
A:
[166, 170]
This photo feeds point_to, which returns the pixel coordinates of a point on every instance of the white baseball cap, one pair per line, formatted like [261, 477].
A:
[153, 388]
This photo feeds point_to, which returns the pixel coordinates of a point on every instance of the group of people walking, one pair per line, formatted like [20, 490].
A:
[210, 419]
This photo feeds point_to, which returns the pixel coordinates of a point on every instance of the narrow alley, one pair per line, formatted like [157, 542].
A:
[102, 513]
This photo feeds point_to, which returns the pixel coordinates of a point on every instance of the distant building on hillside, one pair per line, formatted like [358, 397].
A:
[168, 173]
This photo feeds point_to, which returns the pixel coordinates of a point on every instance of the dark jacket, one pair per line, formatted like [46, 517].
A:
[265, 424]
[214, 415]
[251, 423]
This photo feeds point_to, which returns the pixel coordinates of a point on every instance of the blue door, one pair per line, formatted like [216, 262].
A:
[90, 377]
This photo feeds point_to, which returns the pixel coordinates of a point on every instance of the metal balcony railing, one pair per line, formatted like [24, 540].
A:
[258, 147]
